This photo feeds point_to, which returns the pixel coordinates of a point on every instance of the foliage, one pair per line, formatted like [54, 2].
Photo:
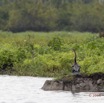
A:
[52, 15]
[55, 43]
[30, 54]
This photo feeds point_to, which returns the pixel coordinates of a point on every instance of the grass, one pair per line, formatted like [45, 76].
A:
[50, 53]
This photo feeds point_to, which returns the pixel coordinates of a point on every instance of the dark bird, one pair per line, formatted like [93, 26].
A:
[75, 66]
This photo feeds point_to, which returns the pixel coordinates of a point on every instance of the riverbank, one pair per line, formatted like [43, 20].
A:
[77, 83]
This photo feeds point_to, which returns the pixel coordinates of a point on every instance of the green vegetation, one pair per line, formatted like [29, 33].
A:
[52, 15]
[50, 53]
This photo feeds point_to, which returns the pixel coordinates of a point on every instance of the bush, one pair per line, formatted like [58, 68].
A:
[55, 43]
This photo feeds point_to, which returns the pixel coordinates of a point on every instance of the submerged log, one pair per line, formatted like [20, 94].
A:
[79, 83]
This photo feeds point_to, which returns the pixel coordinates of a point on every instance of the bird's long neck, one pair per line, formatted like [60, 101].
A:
[75, 61]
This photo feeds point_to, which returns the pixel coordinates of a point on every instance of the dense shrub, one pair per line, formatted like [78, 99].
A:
[55, 43]
[50, 54]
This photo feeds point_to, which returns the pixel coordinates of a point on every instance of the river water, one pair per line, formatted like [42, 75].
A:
[23, 89]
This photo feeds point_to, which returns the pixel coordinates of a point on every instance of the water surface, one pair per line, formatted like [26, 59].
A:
[14, 89]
